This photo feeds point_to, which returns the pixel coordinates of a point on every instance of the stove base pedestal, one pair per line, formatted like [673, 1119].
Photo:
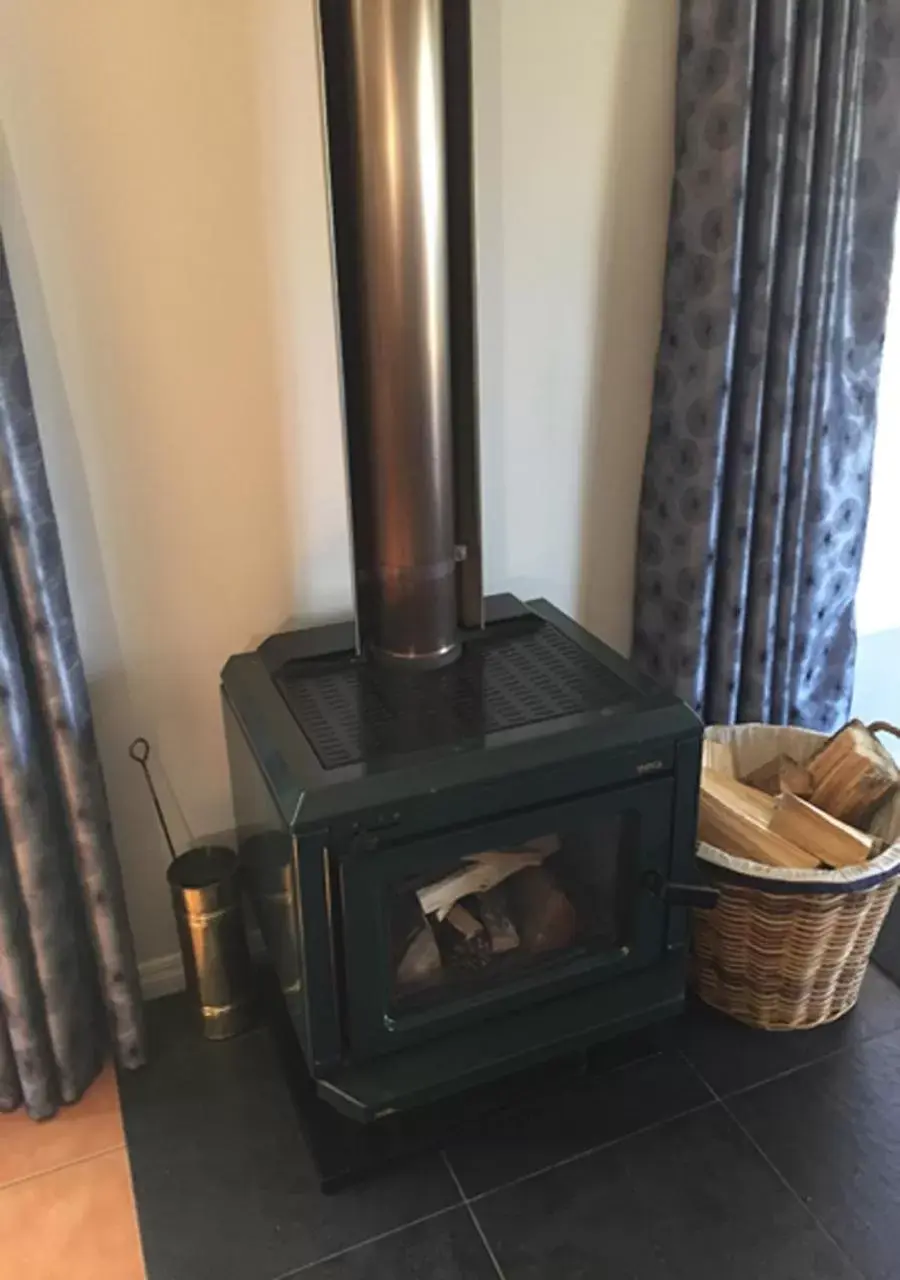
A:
[345, 1151]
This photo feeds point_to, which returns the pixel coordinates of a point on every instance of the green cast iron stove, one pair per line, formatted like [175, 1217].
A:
[466, 826]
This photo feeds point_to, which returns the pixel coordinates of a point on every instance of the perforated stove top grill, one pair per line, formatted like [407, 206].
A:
[353, 711]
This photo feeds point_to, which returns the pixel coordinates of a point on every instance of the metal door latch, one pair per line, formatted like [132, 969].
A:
[680, 895]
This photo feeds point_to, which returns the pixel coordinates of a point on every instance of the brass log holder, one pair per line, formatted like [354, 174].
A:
[204, 882]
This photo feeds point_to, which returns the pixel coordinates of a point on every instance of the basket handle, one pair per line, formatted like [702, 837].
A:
[883, 726]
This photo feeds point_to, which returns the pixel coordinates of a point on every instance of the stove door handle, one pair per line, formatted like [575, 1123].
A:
[704, 896]
[673, 894]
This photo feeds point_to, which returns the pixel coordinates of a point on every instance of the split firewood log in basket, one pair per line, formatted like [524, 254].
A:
[801, 835]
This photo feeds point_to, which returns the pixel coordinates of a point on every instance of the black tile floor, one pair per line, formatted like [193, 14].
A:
[724, 1152]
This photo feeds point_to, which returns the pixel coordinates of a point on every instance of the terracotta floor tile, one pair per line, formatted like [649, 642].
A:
[77, 1223]
[88, 1127]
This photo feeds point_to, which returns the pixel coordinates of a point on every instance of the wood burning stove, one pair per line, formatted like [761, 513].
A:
[466, 826]
[369, 800]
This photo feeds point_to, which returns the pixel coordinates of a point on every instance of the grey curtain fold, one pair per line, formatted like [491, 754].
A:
[68, 976]
[758, 467]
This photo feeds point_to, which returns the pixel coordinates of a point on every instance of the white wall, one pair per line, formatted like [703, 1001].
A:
[163, 207]
[574, 104]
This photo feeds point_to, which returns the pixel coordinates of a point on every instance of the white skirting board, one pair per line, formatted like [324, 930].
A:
[161, 976]
[165, 974]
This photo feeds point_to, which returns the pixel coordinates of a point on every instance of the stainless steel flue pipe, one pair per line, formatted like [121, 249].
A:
[384, 81]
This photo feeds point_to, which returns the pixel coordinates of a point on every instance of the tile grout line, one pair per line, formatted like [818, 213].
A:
[788, 1071]
[592, 1151]
[813, 1062]
[468, 1202]
[66, 1164]
[472, 1214]
[766, 1158]
[699, 1074]
[361, 1244]
[788, 1186]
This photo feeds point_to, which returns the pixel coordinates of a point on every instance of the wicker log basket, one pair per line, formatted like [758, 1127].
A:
[786, 949]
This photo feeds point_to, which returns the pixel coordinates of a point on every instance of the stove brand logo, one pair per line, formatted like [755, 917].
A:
[650, 766]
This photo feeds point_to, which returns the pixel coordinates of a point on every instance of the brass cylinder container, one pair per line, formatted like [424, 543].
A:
[207, 903]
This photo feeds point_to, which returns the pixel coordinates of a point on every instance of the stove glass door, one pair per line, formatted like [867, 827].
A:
[496, 915]
[470, 924]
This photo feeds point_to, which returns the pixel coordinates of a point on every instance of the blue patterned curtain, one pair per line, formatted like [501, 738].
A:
[68, 977]
[758, 466]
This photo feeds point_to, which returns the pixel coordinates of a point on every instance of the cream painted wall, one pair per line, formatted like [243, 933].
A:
[163, 207]
[574, 106]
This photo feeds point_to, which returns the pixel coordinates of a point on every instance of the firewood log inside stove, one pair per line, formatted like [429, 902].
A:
[464, 922]
[544, 845]
[493, 907]
[546, 919]
[478, 872]
[421, 963]
[463, 938]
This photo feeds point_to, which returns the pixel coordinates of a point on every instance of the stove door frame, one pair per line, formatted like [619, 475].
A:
[366, 876]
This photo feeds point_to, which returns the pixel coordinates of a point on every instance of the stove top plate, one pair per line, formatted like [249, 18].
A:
[352, 711]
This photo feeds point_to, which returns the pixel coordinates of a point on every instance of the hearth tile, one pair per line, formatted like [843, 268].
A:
[689, 1200]
[447, 1247]
[223, 1181]
[730, 1056]
[833, 1130]
[576, 1115]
